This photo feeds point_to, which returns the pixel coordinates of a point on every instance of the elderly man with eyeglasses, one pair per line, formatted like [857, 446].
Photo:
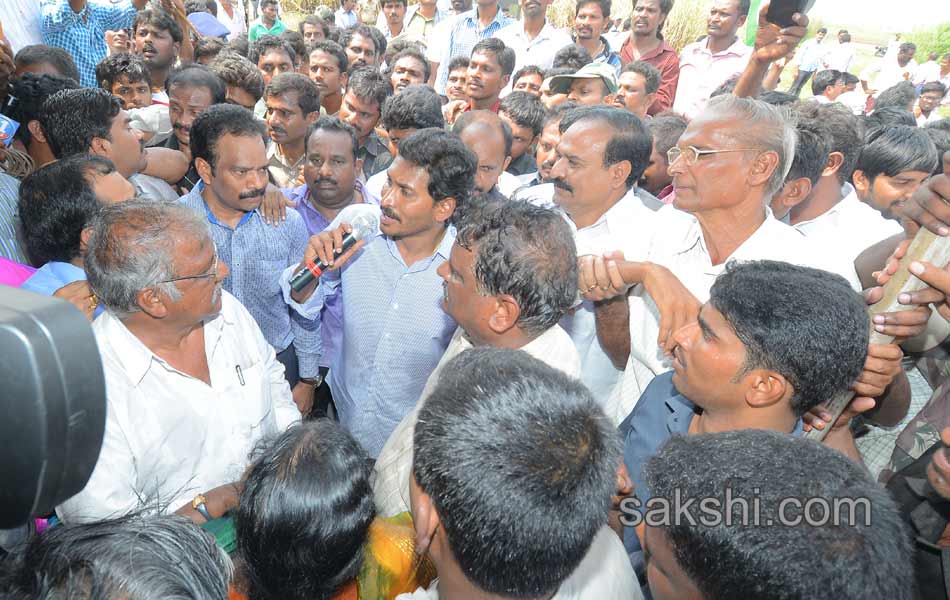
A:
[726, 166]
[192, 384]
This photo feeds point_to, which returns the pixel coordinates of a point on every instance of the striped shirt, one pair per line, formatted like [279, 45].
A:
[465, 33]
[82, 34]
[257, 254]
[9, 246]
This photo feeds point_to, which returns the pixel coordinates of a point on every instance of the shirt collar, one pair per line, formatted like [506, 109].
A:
[195, 195]
[472, 17]
[663, 47]
[737, 48]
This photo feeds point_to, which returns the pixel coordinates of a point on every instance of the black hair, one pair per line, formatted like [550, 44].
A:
[304, 514]
[236, 70]
[208, 47]
[526, 252]
[846, 131]
[346, 36]
[572, 56]
[941, 124]
[459, 62]
[416, 107]
[219, 120]
[845, 37]
[138, 557]
[889, 116]
[604, 6]
[335, 50]
[334, 124]
[449, 163]
[54, 56]
[56, 203]
[367, 83]
[527, 70]
[504, 56]
[267, 43]
[126, 64]
[826, 553]
[667, 128]
[526, 110]
[195, 6]
[778, 98]
[264, 3]
[240, 45]
[316, 22]
[650, 74]
[486, 448]
[484, 116]
[403, 2]
[415, 53]
[28, 92]
[296, 42]
[631, 141]
[896, 149]
[788, 318]
[308, 94]
[824, 79]
[934, 86]
[941, 139]
[197, 76]
[71, 119]
[811, 151]
[727, 87]
[908, 46]
[850, 79]
[159, 19]
[901, 95]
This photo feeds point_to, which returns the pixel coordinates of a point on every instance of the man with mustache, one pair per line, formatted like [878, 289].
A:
[646, 44]
[705, 65]
[394, 331]
[591, 19]
[466, 30]
[159, 40]
[546, 153]
[191, 90]
[293, 104]
[366, 92]
[534, 40]
[192, 385]
[230, 157]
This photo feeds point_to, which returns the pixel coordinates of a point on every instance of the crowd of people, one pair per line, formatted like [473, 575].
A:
[601, 292]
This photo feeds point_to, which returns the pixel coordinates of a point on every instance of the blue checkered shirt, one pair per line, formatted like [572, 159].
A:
[83, 34]
[257, 254]
[466, 32]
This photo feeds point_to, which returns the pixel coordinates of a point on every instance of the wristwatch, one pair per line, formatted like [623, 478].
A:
[199, 504]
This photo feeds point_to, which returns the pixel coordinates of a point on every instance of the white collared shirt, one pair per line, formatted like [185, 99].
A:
[540, 51]
[689, 260]
[394, 465]
[170, 436]
[507, 184]
[604, 574]
[848, 228]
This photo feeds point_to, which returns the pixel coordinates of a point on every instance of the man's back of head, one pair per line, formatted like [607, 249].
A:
[485, 449]
[830, 531]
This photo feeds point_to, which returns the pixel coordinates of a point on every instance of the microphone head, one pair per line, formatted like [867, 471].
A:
[365, 223]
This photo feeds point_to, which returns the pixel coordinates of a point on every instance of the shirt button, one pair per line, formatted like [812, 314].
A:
[395, 306]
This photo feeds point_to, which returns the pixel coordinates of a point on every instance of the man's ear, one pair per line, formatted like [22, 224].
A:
[204, 170]
[444, 209]
[425, 518]
[762, 168]
[505, 315]
[504, 167]
[862, 184]
[766, 388]
[835, 160]
[101, 147]
[651, 98]
[177, 46]
[151, 303]
[36, 130]
[619, 172]
[609, 99]
[344, 78]
[794, 193]
[311, 119]
[84, 236]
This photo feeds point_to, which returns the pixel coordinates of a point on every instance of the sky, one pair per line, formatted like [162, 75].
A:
[884, 14]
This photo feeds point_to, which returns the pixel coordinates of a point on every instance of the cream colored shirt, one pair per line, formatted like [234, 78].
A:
[170, 436]
[394, 465]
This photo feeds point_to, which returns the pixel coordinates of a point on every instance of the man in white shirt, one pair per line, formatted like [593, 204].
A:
[928, 71]
[511, 276]
[840, 57]
[928, 103]
[512, 477]
[534, 40]
[890, 71]
[192, 384]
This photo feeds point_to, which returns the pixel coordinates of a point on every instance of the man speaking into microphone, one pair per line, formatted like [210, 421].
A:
[394, 329]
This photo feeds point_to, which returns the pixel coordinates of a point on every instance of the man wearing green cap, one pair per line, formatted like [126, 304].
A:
[594, 84]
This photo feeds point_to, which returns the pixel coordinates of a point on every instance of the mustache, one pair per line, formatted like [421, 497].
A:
[325, 180]
[561, 184]
[148, 47]
[278, 130]
[252, 194]
[392, 215]
[181, 127]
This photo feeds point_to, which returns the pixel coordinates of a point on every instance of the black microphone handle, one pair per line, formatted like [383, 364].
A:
[312, 270]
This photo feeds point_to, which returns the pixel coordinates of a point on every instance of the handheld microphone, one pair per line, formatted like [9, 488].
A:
[364, 225]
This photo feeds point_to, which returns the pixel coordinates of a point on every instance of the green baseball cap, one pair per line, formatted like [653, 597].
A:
[561, 84]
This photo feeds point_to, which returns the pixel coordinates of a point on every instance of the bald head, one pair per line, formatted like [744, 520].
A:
[485, 134]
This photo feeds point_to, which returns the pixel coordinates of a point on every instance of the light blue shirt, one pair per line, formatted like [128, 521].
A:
[394, 333]
[466, 33]
[54, 275]
[256, 254]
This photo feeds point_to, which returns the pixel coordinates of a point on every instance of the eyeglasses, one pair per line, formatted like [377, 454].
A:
[212, 274]
[692, 154]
